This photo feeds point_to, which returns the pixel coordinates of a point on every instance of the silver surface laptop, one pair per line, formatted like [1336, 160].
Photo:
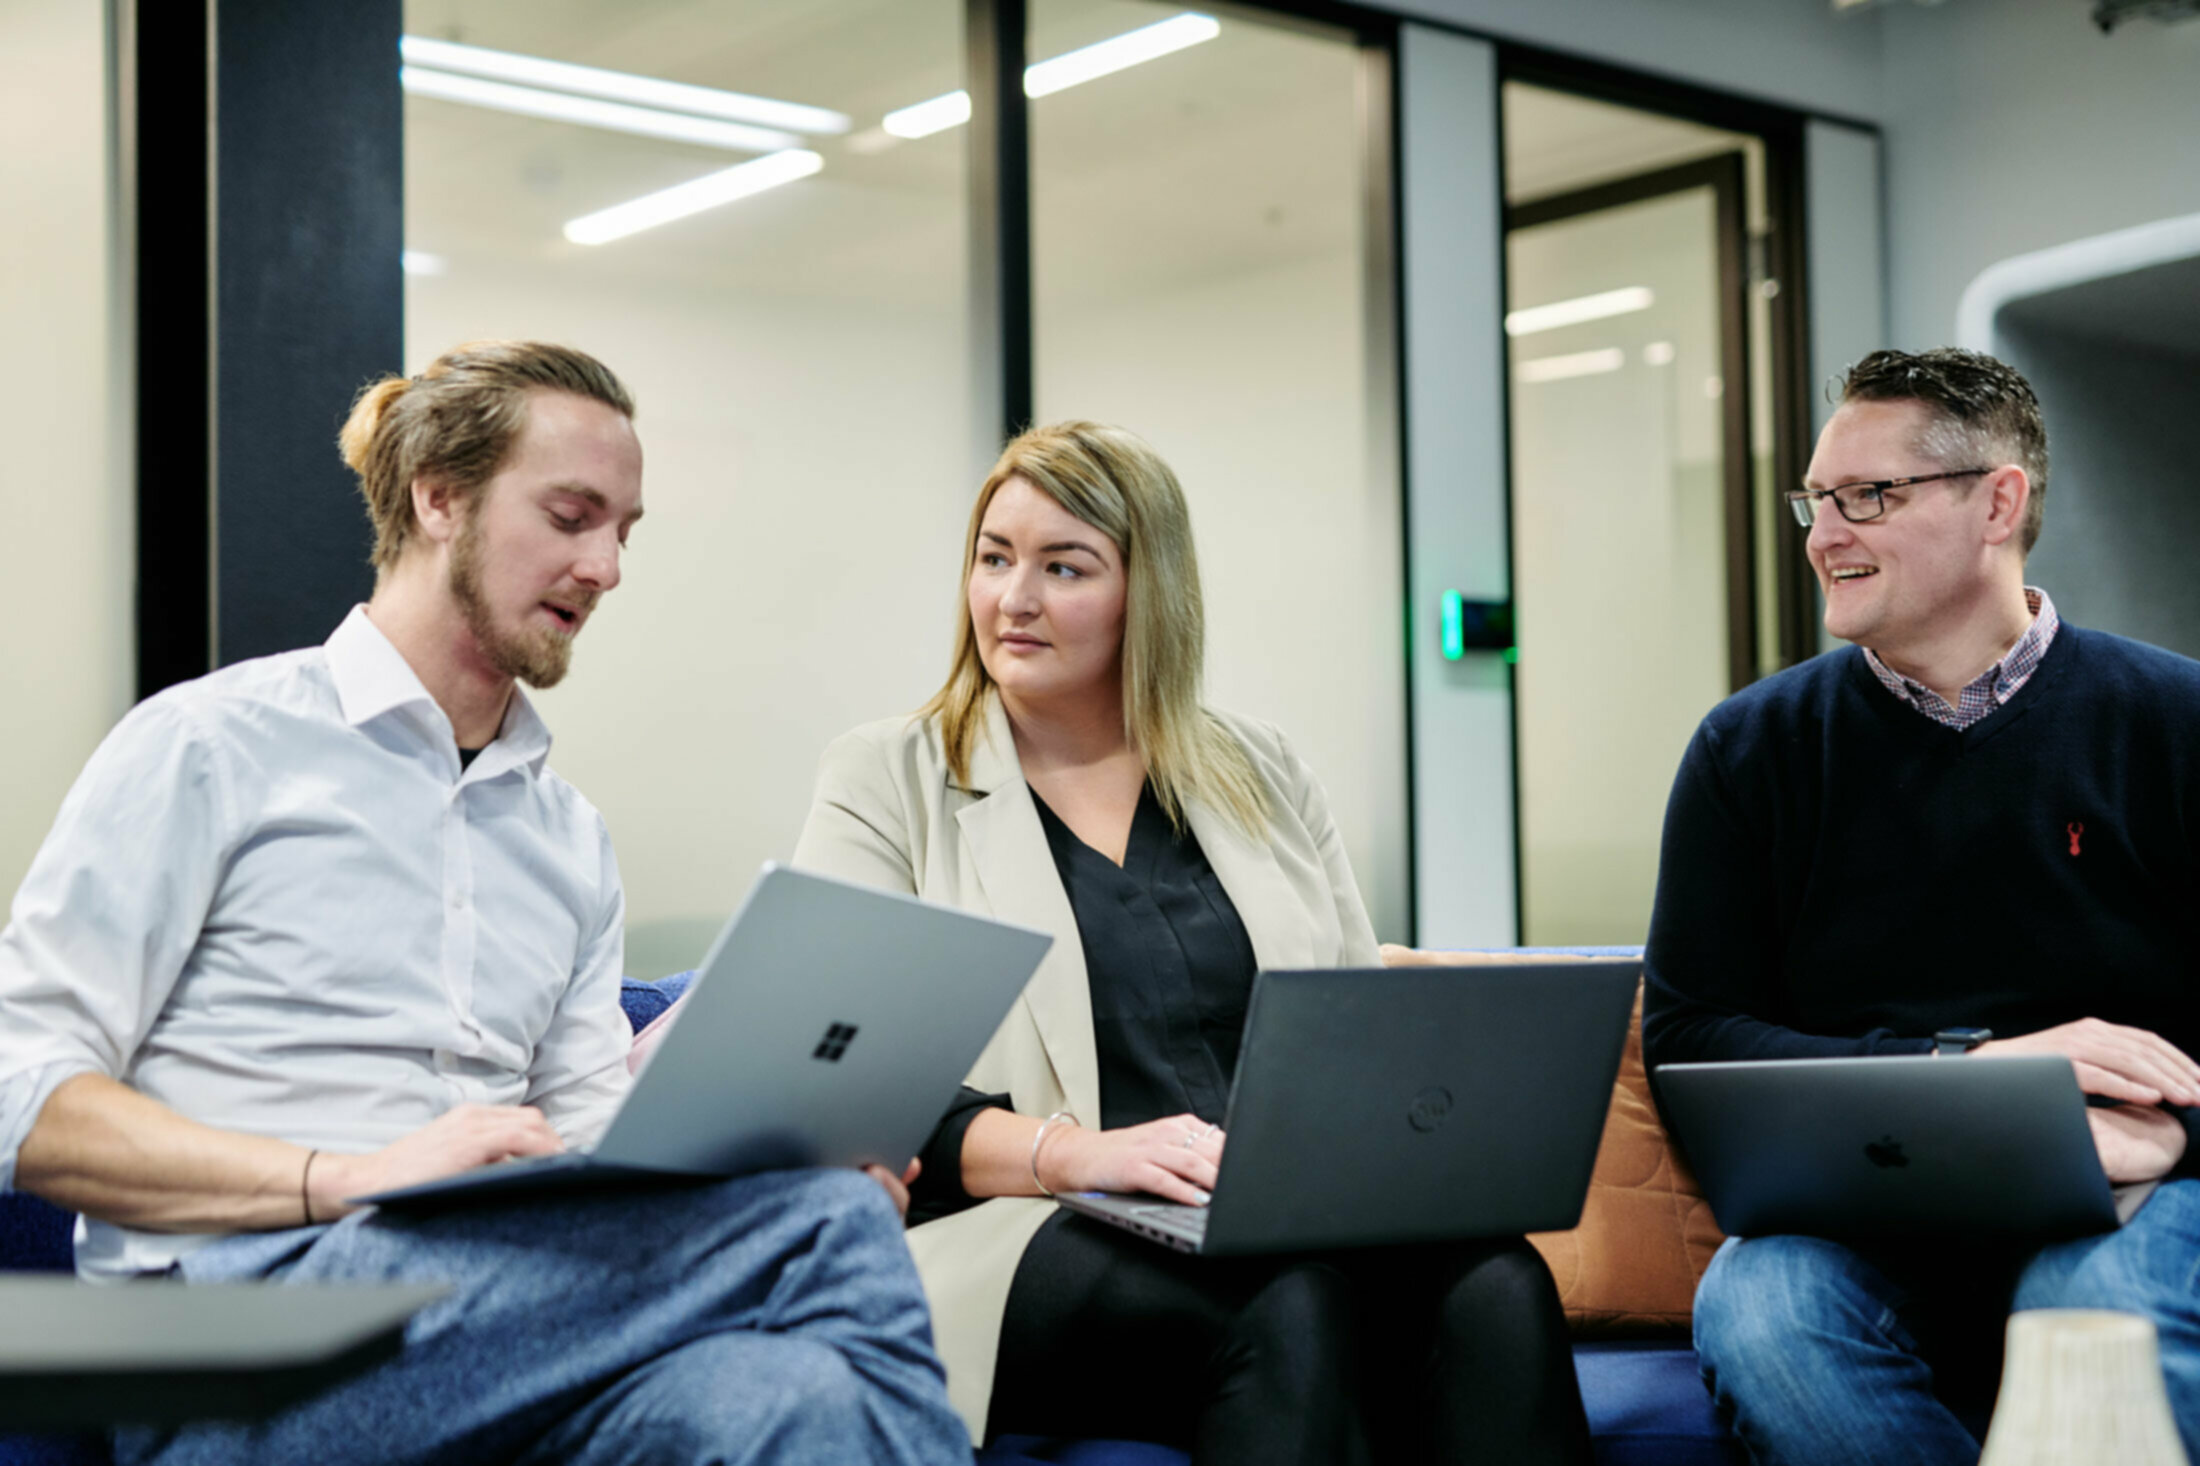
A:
[1910, 1146]
[1410, 1104]
[829, 1025]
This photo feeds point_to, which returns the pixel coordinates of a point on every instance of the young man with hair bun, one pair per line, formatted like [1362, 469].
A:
[325, 924]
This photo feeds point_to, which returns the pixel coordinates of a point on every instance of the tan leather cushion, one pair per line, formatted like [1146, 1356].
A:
[1646, 1235]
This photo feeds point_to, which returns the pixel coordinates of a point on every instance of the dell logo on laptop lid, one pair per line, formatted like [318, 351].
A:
[1429, 1108]
[834, 1043]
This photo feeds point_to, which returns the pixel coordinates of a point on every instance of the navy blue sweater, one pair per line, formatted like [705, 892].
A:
[1842, 875]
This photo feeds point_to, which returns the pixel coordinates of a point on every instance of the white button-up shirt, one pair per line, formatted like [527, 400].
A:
[274, 903]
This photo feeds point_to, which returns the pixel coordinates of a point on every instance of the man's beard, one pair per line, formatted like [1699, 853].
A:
[536, 655]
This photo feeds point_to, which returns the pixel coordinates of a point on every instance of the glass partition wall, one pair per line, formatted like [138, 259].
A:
[797, 356]
[765, 214]
[801, 352]
[1200, 262]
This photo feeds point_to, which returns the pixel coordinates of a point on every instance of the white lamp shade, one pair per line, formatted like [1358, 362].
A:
[2080, 1387]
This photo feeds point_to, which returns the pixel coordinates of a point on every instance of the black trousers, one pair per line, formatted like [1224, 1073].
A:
[1455, 1353]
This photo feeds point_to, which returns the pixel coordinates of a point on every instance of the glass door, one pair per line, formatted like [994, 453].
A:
[1632, 531]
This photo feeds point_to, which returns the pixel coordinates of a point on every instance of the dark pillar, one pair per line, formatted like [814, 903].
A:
[1000, 207]
[308, 303]
[168, 162]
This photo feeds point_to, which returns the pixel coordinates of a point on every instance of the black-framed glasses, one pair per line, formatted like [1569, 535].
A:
[1858, 503]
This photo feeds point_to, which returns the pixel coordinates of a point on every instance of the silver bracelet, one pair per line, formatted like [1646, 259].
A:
[1041, 1134]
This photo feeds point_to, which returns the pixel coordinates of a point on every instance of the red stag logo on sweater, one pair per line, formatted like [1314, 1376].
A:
[2077, 828]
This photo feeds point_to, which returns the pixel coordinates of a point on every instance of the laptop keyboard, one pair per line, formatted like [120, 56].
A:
[1189, 1219]
[563, 1160]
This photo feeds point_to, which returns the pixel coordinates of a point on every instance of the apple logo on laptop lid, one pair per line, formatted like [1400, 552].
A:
[1886, 1153]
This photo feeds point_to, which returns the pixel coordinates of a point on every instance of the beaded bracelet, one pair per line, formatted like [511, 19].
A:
[1041, 1134]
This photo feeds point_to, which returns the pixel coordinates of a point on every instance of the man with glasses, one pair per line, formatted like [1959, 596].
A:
[1975, 831]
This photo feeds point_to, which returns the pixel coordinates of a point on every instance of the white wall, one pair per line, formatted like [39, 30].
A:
[2016, 125]
[2121, 516]
[1252, 388]
[66, 645]
[796, 574]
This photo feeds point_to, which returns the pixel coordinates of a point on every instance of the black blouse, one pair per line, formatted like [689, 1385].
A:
[1170, 969]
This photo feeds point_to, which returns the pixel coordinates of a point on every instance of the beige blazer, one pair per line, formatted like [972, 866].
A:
[887, 814]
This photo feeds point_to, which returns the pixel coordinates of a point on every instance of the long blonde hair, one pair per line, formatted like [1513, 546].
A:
[1112, 480]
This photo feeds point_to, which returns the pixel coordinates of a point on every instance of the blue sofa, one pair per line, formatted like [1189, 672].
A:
[1646, 1405]
[1646, 1408]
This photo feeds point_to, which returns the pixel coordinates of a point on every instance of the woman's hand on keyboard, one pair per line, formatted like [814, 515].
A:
[1174, 1158]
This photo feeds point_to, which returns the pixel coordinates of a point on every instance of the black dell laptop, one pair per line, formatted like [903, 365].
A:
[1414, 1104]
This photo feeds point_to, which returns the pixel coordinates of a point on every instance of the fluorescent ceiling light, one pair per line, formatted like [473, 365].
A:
[681, 200]
[926, 118]
[1581, 308]
[1579, 364]
[619, 86]
[1658, 353]
[420, 262]
[589, 112]
[1044, 78]
[1128, 49]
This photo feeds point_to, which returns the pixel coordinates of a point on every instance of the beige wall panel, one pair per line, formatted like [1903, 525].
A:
[66, 644]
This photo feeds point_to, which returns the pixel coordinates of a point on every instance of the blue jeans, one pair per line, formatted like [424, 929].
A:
[1821, 1353]
[776, 1318]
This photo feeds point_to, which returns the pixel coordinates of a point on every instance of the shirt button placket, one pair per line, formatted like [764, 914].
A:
[458, 927]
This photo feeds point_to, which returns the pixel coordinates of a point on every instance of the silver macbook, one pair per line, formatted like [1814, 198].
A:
[1413, 1104]
[1910, 1146]
[829, 1025]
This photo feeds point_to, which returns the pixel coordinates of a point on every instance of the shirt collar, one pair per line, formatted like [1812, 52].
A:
[373, 678]
[1992, 687]
[524, 739]
[2019, 662]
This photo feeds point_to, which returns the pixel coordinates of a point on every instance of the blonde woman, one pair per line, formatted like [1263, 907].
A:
[1067, 777]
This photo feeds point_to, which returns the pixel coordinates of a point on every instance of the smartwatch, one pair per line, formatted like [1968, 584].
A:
[1960, 1040]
